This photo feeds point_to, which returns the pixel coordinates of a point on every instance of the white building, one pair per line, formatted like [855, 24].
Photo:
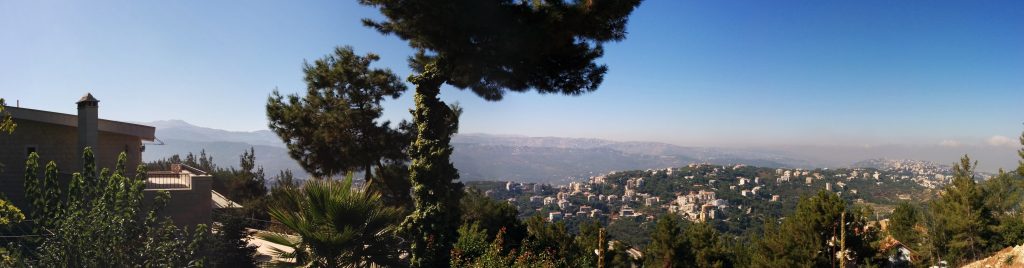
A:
[554, 216]
[549, 200]
[626, 211]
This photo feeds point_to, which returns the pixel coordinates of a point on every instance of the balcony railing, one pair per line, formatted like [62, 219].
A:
[167, 180]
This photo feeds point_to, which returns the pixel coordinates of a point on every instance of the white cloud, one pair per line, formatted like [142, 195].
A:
[1002, 141]
[950, 143]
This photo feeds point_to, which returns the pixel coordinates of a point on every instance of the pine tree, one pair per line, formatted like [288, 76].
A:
[249, 180]
[489, 47]
[903, 222]
[337, 128]
[334, 128]
[669, 246]
[960, 228]
[707, 247]
[1004, 195]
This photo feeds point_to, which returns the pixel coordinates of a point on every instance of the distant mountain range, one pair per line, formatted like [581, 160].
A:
[554, 159]
[542, 159]
[180, 137]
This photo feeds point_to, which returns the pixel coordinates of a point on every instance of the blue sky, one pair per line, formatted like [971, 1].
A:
[723, 73]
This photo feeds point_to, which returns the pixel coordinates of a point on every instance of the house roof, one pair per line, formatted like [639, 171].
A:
[143, 132]
[88, 97]
[221, 201]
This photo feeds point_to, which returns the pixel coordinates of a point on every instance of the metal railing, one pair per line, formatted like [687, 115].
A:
[166, 180]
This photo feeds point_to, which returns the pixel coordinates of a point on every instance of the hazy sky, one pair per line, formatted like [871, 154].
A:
[690, 72]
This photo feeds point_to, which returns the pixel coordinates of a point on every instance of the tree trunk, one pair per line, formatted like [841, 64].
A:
[432, 225]
[366, 174]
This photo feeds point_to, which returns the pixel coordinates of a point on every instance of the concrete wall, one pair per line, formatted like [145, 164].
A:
[188, 207]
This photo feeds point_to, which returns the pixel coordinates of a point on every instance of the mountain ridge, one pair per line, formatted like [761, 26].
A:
[481, 156]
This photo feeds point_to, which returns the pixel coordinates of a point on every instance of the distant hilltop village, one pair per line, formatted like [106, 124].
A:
[728, 195]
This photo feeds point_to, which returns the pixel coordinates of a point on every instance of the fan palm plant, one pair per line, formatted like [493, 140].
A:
[336, 225]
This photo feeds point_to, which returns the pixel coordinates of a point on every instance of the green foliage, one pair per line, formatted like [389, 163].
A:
[101, 224]
[49, 202]
[229, 246]
[810, 237]
[960, 229]
[632, 231]
[492, 216]
[9, 214]
[334, 128]
[33, 186]
[473, 242]
[336, 225]
[588, 241]
[497, 255]
[248, 182]
[552, 239]
[1004, 195]
[488, 47]
[903, 224]
[547, 245]
[1020, 152]
[435, 188]
[708, 247]
[6, 122]
[676, 243]
[669, 247]
[494, 46]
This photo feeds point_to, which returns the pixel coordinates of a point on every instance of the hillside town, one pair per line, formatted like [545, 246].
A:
[705, 192]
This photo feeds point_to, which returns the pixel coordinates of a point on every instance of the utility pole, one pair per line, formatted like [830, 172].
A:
[842, 240]
[601, 245]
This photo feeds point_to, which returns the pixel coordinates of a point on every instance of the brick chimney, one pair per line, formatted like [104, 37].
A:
[88, 122]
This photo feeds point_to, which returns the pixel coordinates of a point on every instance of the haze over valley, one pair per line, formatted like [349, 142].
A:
[560, 160]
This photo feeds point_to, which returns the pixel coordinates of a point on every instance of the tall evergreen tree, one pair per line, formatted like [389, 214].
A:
[960, 229]
[336, 127]
[669, 246]
[903, 222]
[1004, 194]
[707, 247]
[249, 180]
[489, 47]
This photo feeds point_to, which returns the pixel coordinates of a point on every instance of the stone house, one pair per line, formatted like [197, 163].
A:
[62, 137]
